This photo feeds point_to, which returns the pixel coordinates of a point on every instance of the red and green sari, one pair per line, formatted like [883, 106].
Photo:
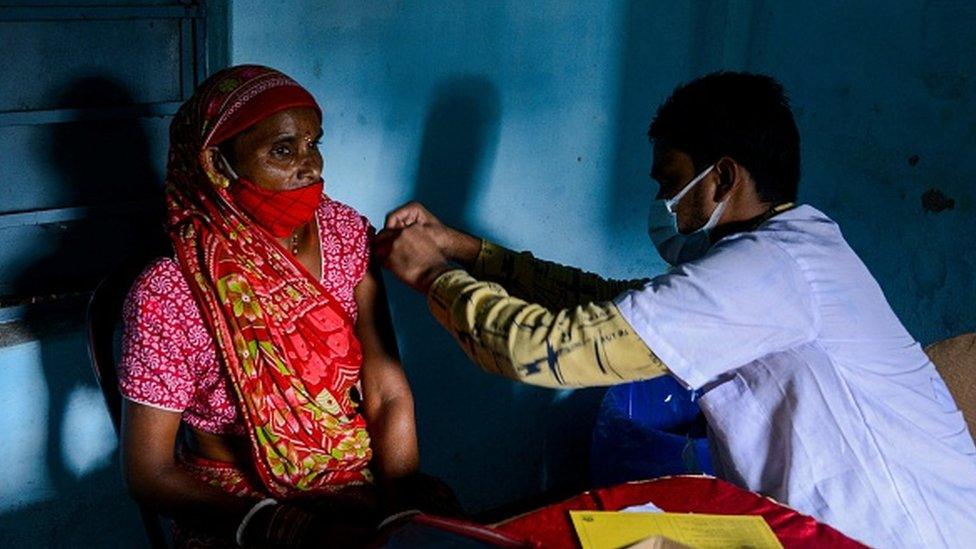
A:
[289, 349]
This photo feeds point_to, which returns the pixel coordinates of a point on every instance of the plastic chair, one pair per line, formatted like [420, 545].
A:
[103, 319]
[955, 359]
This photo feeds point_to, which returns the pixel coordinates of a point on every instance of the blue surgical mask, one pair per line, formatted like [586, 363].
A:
[662, 227]
[674, 247]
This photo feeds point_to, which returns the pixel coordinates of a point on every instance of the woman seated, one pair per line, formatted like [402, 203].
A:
[262, 385]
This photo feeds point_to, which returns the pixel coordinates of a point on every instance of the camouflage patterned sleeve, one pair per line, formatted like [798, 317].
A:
[586, 345]
[544, 282]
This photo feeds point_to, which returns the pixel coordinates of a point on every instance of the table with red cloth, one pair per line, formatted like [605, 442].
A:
[551, 526]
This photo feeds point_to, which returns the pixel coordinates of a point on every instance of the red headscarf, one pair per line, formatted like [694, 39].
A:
[290, 351]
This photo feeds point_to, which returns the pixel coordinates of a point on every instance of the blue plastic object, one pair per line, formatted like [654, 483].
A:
[648, 429]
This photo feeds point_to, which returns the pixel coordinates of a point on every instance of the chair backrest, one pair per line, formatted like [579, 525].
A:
[955, 359]
[104, 318]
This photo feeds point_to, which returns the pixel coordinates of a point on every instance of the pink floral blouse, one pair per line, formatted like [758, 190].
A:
[169, 358]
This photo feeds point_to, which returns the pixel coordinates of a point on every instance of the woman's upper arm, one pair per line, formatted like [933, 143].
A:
[383, 377]
[148, 441]
[155, 479]
[155, 378]
[387, 401]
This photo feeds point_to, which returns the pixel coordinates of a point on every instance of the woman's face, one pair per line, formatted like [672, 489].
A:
[281, 152]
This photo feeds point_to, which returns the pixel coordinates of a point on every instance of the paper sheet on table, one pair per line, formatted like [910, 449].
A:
[612, 530]
[648, 507]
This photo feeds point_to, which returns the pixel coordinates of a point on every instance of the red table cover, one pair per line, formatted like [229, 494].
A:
[552, 527]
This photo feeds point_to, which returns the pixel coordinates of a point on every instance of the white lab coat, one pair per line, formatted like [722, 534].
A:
[816, 395]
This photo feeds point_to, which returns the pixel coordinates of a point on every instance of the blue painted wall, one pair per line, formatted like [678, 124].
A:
[525, 122]
[60, 484]
[499, 116]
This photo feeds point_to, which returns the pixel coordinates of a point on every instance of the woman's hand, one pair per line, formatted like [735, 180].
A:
[294, 525]
[424, 493]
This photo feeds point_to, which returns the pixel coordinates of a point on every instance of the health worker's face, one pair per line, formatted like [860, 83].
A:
[673, 169]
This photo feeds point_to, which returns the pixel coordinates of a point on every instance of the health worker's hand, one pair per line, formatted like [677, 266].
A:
[453, 244]
[412, 254]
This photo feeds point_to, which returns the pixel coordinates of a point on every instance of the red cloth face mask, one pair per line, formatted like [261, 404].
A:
[278, 212]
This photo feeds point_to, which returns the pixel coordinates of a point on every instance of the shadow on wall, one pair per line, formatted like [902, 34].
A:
[650, 65]
[458, 148]
[105, 165]
[465, 417]
[460, 133]
[662, 47]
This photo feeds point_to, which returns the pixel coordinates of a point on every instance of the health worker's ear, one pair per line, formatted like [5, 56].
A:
[731, 175]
